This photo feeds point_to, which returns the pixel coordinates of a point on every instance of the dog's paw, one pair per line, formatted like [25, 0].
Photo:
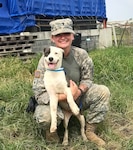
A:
[76, 110]
[53, 129]
[65, 142]
[84, 138]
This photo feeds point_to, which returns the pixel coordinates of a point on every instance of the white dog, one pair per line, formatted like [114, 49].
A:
[55, 83]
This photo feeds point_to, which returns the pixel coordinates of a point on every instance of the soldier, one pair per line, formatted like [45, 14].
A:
[79, 66]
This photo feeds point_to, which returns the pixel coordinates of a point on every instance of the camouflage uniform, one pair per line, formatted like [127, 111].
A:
[95, 101]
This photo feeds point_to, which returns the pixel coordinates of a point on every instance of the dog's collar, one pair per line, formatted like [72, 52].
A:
[56, 70]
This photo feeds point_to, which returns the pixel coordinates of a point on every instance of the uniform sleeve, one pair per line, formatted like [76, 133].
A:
[86, 66]
[86, 70]
[38, 84]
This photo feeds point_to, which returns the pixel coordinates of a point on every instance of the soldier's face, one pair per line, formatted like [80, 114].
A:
[63, 40]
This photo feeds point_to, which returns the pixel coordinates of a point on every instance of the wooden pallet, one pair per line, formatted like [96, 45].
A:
[17, 45]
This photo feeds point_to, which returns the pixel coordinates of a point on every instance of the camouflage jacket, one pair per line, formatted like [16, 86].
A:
[86, 67]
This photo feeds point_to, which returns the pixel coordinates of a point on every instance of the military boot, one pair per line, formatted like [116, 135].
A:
[52, 137]
[90, 134]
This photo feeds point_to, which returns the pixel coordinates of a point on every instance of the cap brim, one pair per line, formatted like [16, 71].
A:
[59, 31]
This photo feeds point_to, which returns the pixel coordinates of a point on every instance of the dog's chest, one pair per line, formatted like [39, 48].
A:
[55, 81]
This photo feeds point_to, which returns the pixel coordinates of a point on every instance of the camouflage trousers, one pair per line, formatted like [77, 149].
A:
[95, 103]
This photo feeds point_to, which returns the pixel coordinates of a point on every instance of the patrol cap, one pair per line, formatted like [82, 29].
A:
[61, 26]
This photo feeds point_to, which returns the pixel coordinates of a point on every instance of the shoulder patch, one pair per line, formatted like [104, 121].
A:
[37, 74]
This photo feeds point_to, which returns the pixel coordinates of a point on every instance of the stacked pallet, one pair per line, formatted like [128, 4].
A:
[17, 45]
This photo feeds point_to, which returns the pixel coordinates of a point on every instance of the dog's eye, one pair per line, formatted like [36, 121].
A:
[56, 53]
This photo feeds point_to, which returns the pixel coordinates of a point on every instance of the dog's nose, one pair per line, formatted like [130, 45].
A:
[50, 58]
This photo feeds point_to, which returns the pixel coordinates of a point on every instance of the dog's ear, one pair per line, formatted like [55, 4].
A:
[46, 51]
[62, 51]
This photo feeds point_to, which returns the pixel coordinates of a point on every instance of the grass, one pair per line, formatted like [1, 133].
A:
[18, 131]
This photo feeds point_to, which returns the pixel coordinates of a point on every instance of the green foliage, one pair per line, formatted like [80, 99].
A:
[113, 64]
[114, 68]
[18, 131]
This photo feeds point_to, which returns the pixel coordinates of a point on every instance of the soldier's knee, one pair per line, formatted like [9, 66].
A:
[43, 117]
[105, 92]
[42, 114]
